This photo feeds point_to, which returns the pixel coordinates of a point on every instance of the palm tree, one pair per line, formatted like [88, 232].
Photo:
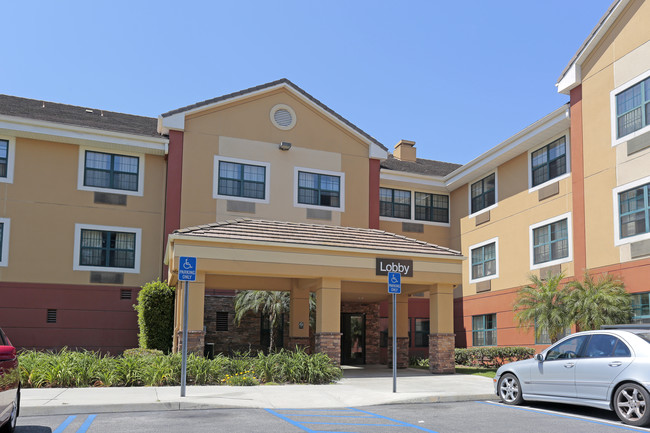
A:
[597, 302]
[543, 303]
[270, 303]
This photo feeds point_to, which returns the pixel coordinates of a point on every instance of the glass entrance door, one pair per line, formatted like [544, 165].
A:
[353, 340]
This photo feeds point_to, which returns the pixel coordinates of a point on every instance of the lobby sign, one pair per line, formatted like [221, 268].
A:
[386, 265]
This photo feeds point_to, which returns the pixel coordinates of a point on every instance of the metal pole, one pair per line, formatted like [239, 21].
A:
[394, 343]
[186, 295]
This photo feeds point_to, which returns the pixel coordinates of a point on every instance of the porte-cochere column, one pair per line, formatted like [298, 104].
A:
[328, 319]
[441, 329]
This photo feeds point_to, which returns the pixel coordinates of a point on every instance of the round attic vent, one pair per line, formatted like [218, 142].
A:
[283, 116]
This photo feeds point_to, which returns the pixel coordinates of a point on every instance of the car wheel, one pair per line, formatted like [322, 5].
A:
[630, 404]
[10, 425]
[510, 389]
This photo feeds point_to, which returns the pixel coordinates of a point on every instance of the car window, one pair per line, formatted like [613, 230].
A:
[621, 349]
[601, 346]
[644, 335]
[3, 340]
[567, 349]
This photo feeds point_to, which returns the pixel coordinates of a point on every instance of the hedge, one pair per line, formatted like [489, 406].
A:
[155, 309]
[492, 357]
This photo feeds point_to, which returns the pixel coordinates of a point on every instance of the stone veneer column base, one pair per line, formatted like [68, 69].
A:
[441, 353]
[196, 342]
[402, 352]
[329, 343]
[302, 342]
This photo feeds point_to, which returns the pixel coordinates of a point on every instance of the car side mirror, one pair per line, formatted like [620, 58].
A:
[539, 357]
[7, 353]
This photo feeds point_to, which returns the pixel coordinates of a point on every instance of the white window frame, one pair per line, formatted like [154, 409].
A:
[82, 171]
[567, 141]
[11, 156]
[531, 250]
[618, 241]
[339, 174]
[76, 266]
[215, 179]
[496, 193]
[4, 262]
[612, 103]
[494, 241]
[412, 218]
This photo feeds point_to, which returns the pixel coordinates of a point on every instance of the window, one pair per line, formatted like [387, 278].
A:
[7, 151]
[634, 211]
[483, 193]
[4, 241]
[319, 189]
[568, 349]
[604, 346]
[242, 180]
[550, 241]
[484, 330]
[4, 157]
[421, 332]
[633, 108]
[545, 339]
[484, 260]
[641, 308]
[431, 207]
[101, 248]
[110, 172]
[548, 162]
[394, 203]
[107, 170]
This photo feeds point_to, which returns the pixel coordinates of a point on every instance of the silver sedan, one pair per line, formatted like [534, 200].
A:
[607, 369]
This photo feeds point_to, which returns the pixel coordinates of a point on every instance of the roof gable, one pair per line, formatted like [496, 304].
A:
[175, 119]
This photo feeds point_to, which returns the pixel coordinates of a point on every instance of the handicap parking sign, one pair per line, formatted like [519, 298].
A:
[394, 283]
[187, 269]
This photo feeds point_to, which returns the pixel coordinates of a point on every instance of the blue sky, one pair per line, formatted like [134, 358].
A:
[457, 77]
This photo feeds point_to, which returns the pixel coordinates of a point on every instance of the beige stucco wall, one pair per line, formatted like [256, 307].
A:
[243, 130]
[516, 210]
[435, 233]
[44, 204]
[622, 55]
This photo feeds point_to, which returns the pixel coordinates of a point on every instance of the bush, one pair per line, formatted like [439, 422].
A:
[491, 357]
[155, 309]
[137, 367]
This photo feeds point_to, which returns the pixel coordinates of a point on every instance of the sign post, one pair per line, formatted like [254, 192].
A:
[187, 273]
[394, 287]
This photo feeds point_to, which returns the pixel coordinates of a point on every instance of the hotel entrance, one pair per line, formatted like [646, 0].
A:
[353, 338]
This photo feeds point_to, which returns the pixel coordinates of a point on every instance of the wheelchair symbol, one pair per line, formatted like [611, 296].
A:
[394, 279]
[187, 264]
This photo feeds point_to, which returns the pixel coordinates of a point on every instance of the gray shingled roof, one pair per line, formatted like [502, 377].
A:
[314, 234]
[420, 166]
[266, 86]
[78, 116]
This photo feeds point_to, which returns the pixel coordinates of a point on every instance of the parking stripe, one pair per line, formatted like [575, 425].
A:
[354, 413]
[573, 417]
[65, 424]
[86, 425]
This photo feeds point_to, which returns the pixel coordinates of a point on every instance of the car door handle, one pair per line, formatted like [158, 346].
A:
[615, 364]
[569, 365]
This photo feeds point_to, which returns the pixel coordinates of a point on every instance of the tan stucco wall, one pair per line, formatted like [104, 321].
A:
[244, 130]
[517, 209]
[44, 204]
[622, 55]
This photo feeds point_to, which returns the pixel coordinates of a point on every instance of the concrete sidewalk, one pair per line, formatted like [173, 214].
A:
[363, 386]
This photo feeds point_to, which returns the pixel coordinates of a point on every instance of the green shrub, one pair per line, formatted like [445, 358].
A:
[151, 368]
[155, 309]
[491, 357]
[139, 351]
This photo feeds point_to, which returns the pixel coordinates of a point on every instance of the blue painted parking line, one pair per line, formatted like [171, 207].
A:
[559, 415]
[84, 427]
[321, 417]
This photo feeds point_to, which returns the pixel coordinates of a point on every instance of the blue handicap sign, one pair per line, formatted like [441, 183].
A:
[394, 283]
[187, 269]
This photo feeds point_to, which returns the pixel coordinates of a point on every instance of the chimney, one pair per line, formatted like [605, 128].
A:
[405, 151]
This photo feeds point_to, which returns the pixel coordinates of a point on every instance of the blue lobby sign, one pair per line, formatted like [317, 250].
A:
[394, 283]
[187, 269]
